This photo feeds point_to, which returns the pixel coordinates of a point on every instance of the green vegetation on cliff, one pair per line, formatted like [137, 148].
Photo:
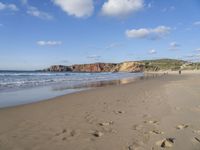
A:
[163, 64]
[169, 64]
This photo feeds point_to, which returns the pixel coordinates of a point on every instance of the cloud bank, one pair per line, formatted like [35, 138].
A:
[33, 11]
[77, 8]
[48, 43]
[121, 8]
[148, 33]
[11, 7]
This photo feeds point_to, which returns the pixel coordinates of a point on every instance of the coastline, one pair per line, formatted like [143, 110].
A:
[137, 114]
[23, 91]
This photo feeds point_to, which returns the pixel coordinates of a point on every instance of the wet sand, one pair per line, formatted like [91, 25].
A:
[151, 114]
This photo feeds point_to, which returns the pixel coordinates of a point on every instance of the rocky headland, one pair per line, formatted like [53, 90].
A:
[128, 66]
[99, 67]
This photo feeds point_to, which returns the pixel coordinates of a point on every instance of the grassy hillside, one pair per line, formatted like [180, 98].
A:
[163, 64]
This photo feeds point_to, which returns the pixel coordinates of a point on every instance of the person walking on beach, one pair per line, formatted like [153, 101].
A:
[179, 71]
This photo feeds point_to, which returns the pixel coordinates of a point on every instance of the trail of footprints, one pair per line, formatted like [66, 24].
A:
[149, 127]
[145, 130]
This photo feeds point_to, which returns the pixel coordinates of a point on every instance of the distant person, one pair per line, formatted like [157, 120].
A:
[179, 71]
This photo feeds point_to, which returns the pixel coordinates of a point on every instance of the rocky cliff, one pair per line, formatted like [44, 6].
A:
[58, 68]
[130, 66]
[99, 67]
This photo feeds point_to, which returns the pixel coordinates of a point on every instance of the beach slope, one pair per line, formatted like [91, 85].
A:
[150, 114]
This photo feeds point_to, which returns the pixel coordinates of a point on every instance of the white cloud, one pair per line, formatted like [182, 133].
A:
[77, 8]
[193, 57]
[198, 49]
[138, 33]
[120, 8]
[197, 23]
[34, 11]
[174, 46]
[37, 13]
[49, 43]
[11, 7]
[152, 51]
[149, 33]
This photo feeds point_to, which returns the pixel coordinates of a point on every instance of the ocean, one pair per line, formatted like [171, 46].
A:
[22, 87]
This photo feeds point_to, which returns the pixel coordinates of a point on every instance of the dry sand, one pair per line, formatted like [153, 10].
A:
[153, 114]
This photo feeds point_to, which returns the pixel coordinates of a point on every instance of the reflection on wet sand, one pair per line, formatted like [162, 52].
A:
[105, 83]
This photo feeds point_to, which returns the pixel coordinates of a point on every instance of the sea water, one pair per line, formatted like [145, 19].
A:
[22, 87]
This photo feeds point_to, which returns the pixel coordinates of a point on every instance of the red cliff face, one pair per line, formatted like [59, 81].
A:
[99, 67]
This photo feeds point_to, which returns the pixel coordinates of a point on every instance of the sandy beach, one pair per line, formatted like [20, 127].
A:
[150, 114]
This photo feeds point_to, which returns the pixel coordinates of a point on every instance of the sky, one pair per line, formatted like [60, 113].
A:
[35, 34]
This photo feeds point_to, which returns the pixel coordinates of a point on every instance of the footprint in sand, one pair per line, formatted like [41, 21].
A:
[67, 134]
[197, 139]
[107, 128]
[97, 133]
[137, 127]
[90, 118]
[136, 146]
[119, 112]
[156, 132]
[151, 122]
[182, 126]
[146, 116]
[196, 131]
[166, 143]
[106, 123]
[133, 147]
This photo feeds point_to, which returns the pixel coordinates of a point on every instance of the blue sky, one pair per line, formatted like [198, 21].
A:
[35, 34]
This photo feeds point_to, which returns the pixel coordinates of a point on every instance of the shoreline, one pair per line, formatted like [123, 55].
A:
[107, 84]
[28, 95]
[133, 115]
[92, 86]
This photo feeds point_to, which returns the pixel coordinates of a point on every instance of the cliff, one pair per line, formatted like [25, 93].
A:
[130, 66]
[58, 68]
[99, 67]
